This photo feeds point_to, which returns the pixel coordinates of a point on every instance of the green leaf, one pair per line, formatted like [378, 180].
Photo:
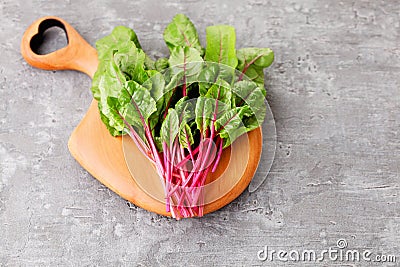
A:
[185, 110]
[251, 123]
[111, 110]
[220, 91]
[139, 109]
[119, 36]
[97, 79]
[183, 55]
[150, 74]
[221, 41]
[185, 135]
[204, 112]
[185, 60]
[149, 64]
[171, 84]
[120, 60]
[161, 64]
[230, 126]
[207, 77]
[141, 106]
[128, 83]
[248, 93]
[156, 86]
[213, 104]
[106, 121]
[130, 60]
[170, 127]
[110, 83]
[158, 142]
[113, 117]
[252, 62]
[181, 32]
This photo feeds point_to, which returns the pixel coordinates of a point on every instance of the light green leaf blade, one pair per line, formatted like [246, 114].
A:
[109, 83]
[230, 126]
[208, 76]
[181, 32]
[139, 109]
[221, 91]
[114, 131]
[130, 60]
[185, 135]
[161, 64]
[248, 93]
[204, 112]
[185, 110]
[221, 41]
[156, 86]
[119, 36]
[141, 106]
[252, 61]
[170, 127]
[185, 60]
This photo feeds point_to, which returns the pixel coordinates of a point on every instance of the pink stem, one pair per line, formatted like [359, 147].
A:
[219, 155]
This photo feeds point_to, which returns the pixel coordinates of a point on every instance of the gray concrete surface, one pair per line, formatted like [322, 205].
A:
[334, 89]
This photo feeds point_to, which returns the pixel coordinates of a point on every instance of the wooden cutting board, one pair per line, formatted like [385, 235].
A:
[130, 175]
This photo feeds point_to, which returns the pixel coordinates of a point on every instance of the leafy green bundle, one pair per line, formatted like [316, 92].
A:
[181, 111]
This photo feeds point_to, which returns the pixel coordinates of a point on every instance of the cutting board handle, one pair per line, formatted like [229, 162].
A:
[77, 55]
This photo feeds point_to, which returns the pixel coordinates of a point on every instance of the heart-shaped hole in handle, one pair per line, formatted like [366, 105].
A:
[51, 37]
[76, 55]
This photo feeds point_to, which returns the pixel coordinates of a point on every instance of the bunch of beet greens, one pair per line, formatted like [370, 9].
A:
[181, 111]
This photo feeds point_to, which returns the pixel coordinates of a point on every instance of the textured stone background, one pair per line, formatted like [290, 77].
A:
[334, 89]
